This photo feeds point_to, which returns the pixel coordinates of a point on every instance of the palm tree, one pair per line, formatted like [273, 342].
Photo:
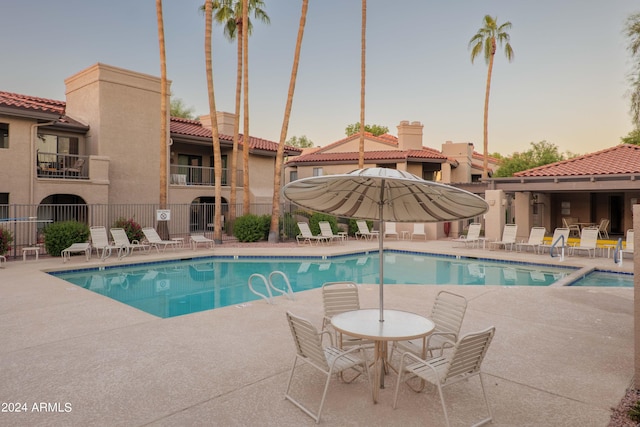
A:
[229, 14]
[485, 41]
[274, 234]
[162, 225]
[217, 159]
[362, 80]
[245, 106]
[632, 31]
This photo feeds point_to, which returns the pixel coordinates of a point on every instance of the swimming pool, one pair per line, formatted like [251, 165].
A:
[174, 288]
[607, 279]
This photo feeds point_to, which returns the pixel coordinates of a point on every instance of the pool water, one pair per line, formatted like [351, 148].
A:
[174, 288]
[606, 279]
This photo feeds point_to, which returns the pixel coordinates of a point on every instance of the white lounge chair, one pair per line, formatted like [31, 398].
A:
[508, 238]
[196, 239]
[155, 241]
[472, 237]
[461, 364]
[418, 230]
[76, 248]
[3, 259]
[559, 240]
[364, 232]
[307, 236]
[628, 248]
[326, 231]
[390, 229]
[588, 242]
[328, 360]
[100, 242]
[121, 240]
[536, 237]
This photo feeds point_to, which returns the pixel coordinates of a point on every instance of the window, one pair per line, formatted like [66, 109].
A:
[317, 172]
[4, 205]
[293, 176]
[4, 135]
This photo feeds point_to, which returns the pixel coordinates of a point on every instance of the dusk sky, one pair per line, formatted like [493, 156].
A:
[568, 83]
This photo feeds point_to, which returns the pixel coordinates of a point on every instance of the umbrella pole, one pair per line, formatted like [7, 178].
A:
[380, 251]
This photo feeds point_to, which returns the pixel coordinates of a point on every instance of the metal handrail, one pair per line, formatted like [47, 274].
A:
[553, 245]
[617, 253]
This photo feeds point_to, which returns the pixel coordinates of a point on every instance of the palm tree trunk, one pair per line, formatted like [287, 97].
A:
[245, 138]
[274, 234]
[236, 131]
[217, 160]
[362, 81]
[485, 160]
[162, 225]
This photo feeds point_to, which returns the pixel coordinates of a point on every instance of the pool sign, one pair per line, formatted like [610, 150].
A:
[163, 214]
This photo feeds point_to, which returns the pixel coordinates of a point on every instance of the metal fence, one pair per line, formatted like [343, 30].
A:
[26, 222]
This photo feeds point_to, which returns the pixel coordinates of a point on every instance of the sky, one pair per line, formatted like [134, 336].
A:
[567, 84]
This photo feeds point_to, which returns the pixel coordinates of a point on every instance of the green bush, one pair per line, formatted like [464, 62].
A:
[132, 228]
[317, 217]
[5, 241]
[252, 228]
[288, 226]
[60, 235]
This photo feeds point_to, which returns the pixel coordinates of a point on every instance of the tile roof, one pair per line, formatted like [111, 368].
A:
[425, 153]
[620, 159]
[32, 103]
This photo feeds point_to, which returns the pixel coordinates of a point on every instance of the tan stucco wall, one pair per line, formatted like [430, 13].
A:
[16, 167]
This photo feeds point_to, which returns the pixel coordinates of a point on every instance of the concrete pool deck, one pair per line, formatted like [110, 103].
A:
[561, 356]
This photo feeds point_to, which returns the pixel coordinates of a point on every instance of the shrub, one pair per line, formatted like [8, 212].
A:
[5, 241]
[251, 228]
[288, 226]
[132, 228]
[61, 235]
[317, 217]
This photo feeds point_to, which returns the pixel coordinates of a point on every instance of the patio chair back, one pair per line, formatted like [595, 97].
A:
[536, 236]
[509, 233]
[602, 229]
[326, 231]
[473, 233]
[100, 241]
[305, 230]
[120, 237]
[629, 242]
[418, 230]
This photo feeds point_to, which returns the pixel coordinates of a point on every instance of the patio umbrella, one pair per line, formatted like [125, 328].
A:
[384, 195]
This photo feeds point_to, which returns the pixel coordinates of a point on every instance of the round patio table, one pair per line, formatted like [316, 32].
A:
[397, 326]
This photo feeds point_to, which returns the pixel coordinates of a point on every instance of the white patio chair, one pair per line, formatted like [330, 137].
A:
[76, 248]
[536, 237]
[508, 237]
[418, 230]
[197, 239]
[327, 232]
[307, 236]
[560, 239]
[328, 360]
[602, 229]
[463, 363]
[338, 297]
[121, 240]
[3, 259]
[390, 229]
[628, 248]
[574, 229]
[155, 241]
[100, 242]
[472, 237]
[588, 242]
[364, 232]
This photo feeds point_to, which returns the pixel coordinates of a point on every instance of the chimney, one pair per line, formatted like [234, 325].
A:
[410, 135]
[226, 122]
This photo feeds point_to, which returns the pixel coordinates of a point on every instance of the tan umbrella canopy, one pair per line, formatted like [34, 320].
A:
[384, 195]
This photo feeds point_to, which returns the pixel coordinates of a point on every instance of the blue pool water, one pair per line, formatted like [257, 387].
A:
[174, 288]
[606, 279]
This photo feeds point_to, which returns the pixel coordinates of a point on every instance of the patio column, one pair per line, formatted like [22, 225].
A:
[636, 294]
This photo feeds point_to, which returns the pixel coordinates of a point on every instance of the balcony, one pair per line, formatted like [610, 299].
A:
[200, 175]
[62, 166]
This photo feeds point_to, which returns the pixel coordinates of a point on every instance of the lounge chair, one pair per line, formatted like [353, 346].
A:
[460, 365]
[307, 236]
[326, 231]
[418, 230]
[196, 239]
[76, 248]
[472, 237]
[559, 240]
[364, 232]
[602, 229]
[588, 242]
[100, 242]
[3, 259]
[447, 314]
[628, 248]
[328, 360]
[127, 246]
[155, 241]
[508, 238]
[390, 229]
[536, 237]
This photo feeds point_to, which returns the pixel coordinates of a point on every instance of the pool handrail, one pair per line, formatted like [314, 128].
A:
[288, 292]
[553, 245]
[266, 285]
[617, 253]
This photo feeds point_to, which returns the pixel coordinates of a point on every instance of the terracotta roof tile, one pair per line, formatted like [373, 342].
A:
[32, 103]
[621, 159]
[426, 153]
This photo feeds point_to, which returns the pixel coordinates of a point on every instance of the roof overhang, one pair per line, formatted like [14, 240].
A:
[567, 183]
[24, 113]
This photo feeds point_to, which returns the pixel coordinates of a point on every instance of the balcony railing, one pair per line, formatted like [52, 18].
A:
[65, 166]
[200, 175]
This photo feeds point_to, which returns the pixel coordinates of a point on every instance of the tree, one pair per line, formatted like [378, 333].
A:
[632, 31]
[541, 153]
[362, 85]
[274, 235]
[217, 158]
[178, 109]
[375, 130]
[485, 41]
[162, 225]
[300, 141]
[632, 138]
[228, 13]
